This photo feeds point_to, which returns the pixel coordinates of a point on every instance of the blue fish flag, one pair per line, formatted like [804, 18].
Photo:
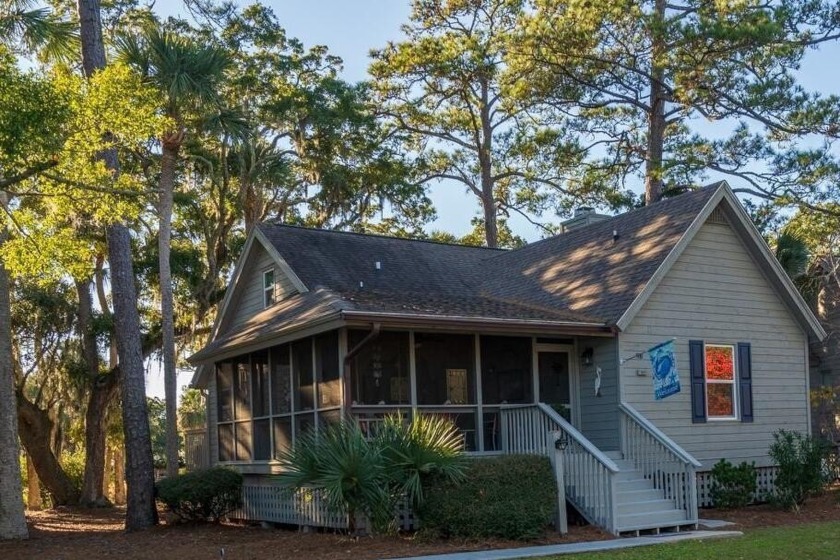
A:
[666, 380]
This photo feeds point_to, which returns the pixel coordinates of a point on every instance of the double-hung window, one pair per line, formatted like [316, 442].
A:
[268, 287]
[721, 395]
[721, 381]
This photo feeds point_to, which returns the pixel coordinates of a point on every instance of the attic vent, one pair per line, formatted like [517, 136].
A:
[717, 216]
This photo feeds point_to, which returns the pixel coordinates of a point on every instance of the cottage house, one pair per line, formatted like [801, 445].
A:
[552, 338]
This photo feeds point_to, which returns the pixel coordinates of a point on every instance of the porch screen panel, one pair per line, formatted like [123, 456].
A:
[261, 395]
[380, 369]
[506, 370]
[302, 370]
[282, 435]
[304, 423]
[243, 441]
[327, 369]
[281, 380]
[224, 391]
[445, 369]
[226, 445]
[242, 388]
[262, 439]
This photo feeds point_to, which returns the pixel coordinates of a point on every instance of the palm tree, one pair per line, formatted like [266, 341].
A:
[188, 75]
[35, 28]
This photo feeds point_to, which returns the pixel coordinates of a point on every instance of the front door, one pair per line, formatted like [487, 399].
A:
[555, 377]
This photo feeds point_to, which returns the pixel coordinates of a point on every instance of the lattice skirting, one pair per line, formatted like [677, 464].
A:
[265, 500]
[765, 479]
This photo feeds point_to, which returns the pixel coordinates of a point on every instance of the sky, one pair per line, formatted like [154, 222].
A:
[351, 28]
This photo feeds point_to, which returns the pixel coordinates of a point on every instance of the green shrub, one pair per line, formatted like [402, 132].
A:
[800, 459]
[203, 495]
[74, 467]
[510, 497]
[732, 487]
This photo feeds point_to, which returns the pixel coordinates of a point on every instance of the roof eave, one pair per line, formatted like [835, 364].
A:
[472, 322]
[280, 336]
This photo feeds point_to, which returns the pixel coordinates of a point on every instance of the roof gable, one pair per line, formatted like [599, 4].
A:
[725, 201]
[244, 271]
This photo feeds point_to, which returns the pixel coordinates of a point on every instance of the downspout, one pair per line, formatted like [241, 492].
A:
[348, 399]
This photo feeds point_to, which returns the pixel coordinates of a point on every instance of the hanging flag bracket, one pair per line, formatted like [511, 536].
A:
[636, 356]
[640, 355]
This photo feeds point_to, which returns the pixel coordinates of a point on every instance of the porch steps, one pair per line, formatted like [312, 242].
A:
[641, 507]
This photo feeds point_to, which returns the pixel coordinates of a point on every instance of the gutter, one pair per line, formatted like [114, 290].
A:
[460, 319]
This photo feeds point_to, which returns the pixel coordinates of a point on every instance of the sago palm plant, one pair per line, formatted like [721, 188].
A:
[366, 476]
[430, 445]
[349, 470]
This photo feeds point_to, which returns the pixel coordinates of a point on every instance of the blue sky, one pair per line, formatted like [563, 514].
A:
[351, 28]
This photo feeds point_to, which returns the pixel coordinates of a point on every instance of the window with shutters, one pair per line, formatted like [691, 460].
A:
[720, 376]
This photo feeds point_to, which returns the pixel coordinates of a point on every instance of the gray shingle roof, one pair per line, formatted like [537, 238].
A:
[582, 276]
[586, 270]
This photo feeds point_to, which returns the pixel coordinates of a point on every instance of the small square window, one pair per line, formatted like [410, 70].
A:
[721, 399]
[268, 287]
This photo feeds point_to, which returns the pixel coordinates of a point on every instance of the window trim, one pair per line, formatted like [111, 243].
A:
[271, 289]
[736, 412]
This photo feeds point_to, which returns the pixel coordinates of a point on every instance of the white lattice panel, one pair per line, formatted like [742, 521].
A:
[765, 477]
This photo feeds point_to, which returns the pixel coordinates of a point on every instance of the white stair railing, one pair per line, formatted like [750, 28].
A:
[590, 476]
[667, 465]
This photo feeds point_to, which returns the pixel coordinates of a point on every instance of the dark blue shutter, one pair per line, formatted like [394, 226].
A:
[697, 364]
[745, 381]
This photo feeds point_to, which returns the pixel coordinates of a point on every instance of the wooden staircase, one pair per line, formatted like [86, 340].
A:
[649, 485]
[642, 506]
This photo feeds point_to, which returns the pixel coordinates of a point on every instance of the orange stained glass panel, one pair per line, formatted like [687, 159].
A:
[720, 363]
[720, 399]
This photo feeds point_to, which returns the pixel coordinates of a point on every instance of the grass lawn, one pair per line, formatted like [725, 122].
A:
[815, 541]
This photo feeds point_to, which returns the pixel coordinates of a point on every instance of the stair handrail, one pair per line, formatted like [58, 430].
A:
[657, 434]
[573, 432]
[589, 477]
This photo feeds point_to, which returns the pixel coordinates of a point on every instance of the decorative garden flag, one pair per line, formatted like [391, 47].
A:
[666, 381]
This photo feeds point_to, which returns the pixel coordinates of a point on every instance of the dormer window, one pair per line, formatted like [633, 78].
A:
[268, 287]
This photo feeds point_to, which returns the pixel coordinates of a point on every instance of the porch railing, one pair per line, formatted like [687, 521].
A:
[589, 475]
[667, 465]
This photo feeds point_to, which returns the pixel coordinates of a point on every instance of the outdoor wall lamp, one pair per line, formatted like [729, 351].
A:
[561, 443]
[587, 356]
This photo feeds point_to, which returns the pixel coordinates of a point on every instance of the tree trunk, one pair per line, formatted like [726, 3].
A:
[12, 517]
[35, 428]
[99, 282]
[656, 118]
[140, 471]
[140, 512]
[102, 392]
[485, 151]
[102, 389]
[109, 474]
[119, 476]
[169, 159]
[33, 487]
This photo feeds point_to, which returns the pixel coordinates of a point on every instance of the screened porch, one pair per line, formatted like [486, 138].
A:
[264, 400]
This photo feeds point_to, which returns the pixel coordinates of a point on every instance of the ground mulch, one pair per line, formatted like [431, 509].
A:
[825, 507]
[77, 534]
